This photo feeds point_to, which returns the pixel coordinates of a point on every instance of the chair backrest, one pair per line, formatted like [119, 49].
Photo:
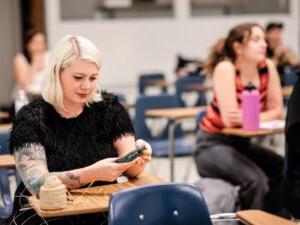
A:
[168, 204]
[144, 103]
[145, 79]
[183, 85]
[4, 141]
[6, 209]
[290, 76]
[198, 118]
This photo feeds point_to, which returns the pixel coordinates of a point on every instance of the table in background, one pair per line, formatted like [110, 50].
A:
[7, 161]
[199, 87]
[159, 83]
[287, 91]
[4, 127]
[4, 115]
[257, 217]
[243, 133]
[93, 199]
[174, 115]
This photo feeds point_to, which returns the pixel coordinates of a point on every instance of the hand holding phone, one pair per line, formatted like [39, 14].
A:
[130, 156]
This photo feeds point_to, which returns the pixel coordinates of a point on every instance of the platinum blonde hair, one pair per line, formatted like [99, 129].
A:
[68, 49]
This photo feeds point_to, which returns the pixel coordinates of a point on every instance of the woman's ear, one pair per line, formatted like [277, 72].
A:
[237, 47]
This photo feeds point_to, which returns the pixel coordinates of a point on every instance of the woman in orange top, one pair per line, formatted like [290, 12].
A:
[235, 61]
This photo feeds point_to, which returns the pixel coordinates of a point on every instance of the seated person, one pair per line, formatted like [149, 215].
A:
[71, 132]
[281, 55]
[188, 67]
[29, 67]
[235, 61]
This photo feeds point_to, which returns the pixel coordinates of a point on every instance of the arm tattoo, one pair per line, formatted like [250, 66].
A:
[74, 180]
[32, 166]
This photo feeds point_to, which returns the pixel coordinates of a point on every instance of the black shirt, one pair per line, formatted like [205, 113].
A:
[70, 143]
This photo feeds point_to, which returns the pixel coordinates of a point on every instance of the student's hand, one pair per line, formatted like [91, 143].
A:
[146, 154]
[235, 117]
[107, 169]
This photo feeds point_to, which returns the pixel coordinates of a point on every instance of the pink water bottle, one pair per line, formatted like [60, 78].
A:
[250, 108]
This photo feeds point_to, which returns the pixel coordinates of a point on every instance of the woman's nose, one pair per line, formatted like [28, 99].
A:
[85, 84]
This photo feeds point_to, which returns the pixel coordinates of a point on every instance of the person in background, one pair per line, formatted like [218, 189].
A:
[291, 193]
[281, 55]
[72, 132]
[233, 62]
[188, 67]
[29, 67]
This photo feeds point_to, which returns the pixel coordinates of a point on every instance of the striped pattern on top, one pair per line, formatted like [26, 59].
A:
[212, 121]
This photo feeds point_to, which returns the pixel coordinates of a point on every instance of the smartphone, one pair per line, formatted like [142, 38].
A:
[130, 156]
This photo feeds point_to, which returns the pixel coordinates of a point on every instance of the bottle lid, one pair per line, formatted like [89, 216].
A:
[250, 86]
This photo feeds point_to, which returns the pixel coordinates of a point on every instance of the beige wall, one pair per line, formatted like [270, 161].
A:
[9, 44]
[131, 47]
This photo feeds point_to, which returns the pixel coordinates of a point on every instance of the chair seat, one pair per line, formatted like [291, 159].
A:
[160, 148]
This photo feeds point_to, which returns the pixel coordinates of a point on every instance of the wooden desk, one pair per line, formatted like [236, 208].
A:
[199, 87]
[4, 127]
[287, 91]
[159, 83]
[94, 199]
[7, 161]
[4, 115]
[174, 115]
[257, 217]
[242, 133]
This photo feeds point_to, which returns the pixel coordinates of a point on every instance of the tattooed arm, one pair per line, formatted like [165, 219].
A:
[32, 167]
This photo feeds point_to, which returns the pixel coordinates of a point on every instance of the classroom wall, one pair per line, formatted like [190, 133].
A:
[130, 47]
[9, 45]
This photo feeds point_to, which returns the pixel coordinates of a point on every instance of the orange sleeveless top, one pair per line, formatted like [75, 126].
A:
[212, 121]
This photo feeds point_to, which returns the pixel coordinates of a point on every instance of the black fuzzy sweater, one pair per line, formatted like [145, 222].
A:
[76, 142]
[70, 143]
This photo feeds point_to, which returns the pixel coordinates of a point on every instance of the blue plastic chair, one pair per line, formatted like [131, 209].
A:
[146, 79]
[199, 118]
[183, 86]
[168, 204]
[6, 210]
[159, 143]
[290, 76]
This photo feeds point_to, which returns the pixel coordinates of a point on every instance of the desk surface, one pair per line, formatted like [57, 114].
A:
[174, 113]
[242, 133]
[287, 91]
[94, 199]
[5, 126]
[199, 87]
[7, 161]
[158, 83]
[4, 115]
[257, 217]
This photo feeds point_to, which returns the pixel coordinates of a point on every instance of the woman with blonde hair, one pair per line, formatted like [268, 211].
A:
[235, 61]
[71, 132]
